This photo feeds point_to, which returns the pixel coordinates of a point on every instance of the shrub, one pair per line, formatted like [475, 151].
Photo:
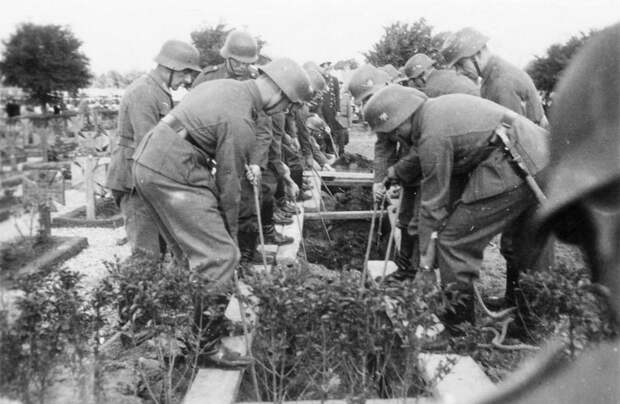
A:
[317, 339]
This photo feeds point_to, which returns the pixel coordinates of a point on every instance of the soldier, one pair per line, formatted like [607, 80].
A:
[423, 75]
[512, 88]
[469, 189]
[364, 82]
[195, 210]
[144, 103]
[330, 108]
[583, 209]
[240, 50]
[502, 82]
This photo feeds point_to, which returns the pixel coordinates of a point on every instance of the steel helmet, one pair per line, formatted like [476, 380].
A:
[464, 43]
[417, 65]
[316, 78]
[290, 78]
[391, 71]
[178, 56]
[365, 81]
[240, 46]
[585, 124]
[389, 107]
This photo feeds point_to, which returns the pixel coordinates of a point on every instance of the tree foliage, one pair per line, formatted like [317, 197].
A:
[115, 79]
[210, 39]
[399, 42]
[44, 60]
[546, 70]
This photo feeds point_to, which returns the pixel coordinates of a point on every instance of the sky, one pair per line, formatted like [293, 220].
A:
[126, 35]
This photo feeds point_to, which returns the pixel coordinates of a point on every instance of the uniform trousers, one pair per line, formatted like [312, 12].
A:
[191, 222]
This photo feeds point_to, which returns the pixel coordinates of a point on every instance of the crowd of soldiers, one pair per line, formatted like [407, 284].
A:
[461, 131]
[193, 179]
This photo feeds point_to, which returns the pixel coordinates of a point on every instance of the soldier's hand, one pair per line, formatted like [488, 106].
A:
[291, 190]
[253, 173]
[378, 190]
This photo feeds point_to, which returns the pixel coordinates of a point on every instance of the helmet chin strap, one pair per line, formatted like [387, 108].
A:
[170, 77]
[477, 66]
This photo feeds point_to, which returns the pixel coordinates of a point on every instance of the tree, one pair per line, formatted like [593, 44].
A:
[209, 40]
[546, 70]
[44, 60]
[399, 42]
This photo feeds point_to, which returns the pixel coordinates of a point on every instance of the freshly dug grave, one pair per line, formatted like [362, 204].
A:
[348, 246]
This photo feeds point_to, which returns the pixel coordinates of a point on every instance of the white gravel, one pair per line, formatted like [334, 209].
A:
[102, 246]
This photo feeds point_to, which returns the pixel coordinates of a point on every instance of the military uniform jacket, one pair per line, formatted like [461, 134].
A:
[260, 152]
[511, 87]
[442, 82]
[330, 105]
[223, 130]
[144, 103]
[452, 135]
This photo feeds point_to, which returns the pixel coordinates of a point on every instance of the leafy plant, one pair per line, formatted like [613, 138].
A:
[318, 339]
[52, 328]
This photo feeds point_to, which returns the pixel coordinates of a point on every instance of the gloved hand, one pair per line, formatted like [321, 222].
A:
[253, 173]
[378, 190]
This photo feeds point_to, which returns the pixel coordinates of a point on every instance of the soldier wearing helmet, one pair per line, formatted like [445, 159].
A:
[423, 75]
[144, 103]
[195, 204]
[240, 51]
[508, 86]
[469, 189]
[365, 81]
[583, 208]
[502, 82]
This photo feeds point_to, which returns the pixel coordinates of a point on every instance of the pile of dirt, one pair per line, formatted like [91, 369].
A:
[353, 162]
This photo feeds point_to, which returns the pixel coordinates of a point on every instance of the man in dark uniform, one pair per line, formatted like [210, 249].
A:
[144, 103]
[423, 75]
[583, 209]
[330, 108]
[512, 88]
[469, 189]
[197, 211]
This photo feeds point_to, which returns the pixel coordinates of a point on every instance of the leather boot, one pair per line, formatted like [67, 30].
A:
[273, 237]
[462, 309]
[247, 246]
[281, 217]
[406, 269]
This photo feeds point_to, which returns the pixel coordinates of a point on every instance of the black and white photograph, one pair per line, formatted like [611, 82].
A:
[310, 201]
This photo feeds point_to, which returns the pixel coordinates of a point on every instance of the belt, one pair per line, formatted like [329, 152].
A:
[177, 126]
